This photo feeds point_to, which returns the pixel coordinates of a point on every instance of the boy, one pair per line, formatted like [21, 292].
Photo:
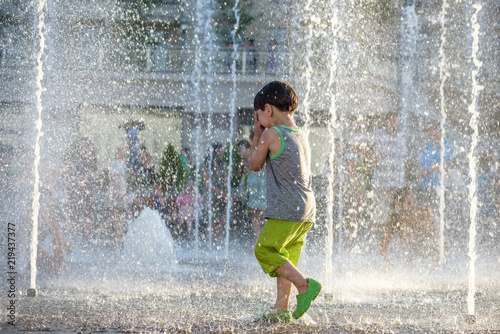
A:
[291, 207]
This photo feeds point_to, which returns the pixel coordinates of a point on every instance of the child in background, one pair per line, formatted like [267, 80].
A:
[186, 204]
[416, 225]
[291, 206]
[256, 182]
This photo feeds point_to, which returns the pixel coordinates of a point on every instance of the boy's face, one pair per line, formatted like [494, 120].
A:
[264, 117]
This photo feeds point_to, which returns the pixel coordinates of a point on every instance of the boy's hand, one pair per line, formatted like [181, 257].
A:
[258, 128]
[259, 148]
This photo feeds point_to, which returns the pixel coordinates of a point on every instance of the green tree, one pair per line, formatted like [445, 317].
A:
[380, 10]
[172, 171]
[16, 13]
[135, 21]
[235, 175]
[224, 19]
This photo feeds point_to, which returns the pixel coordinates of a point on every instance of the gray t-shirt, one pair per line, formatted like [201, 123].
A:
[289, 180]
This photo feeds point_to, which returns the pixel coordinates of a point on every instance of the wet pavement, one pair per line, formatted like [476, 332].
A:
[206, 293]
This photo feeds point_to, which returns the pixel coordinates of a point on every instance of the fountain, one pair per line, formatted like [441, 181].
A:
[234, 56]
[442, 107]
[476, 88]
[332, 127]
[36, 192]
[196, 80]
[183, 68]
[209, 73]
[308, 39]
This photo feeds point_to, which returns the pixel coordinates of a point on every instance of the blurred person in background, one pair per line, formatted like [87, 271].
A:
[430, 165]
[388, 161]
[52, 245]
[80, 166]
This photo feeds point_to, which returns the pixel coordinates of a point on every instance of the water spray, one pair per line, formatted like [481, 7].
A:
[195, 80]
[341, 186]
[203, 31]
[409, 31]
[235, 58]
[208, 45]
[332, 128]
[442, 77]
[32, 292]
[474, 114]
[308, 67]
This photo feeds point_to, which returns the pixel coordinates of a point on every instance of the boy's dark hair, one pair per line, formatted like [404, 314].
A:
[279, 94]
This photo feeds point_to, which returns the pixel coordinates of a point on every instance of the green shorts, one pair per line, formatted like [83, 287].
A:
[280, 241]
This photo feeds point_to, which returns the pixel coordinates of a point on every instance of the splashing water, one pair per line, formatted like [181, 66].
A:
[188, 296]
[148, 243]
[36, 191]
[210, 194]
[231, 122]
[332, 126]
[476, 88]
[196, 80]
[409, 29]
[308, 65]
[442, 76]
[341, 188]
[203, 46]
[208, 44]
[343, 18]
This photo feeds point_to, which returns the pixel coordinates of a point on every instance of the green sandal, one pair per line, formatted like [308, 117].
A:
[305, 299]
[273, 316]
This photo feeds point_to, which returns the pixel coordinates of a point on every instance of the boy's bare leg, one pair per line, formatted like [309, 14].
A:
[291, 273]
[283, 295]
[255, 222]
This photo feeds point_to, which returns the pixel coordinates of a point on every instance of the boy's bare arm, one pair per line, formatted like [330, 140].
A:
[260, 146]
[265, 141]
[259, 151]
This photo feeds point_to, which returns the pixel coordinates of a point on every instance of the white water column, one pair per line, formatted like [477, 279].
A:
[235, 58]
[332, 134]
[204, 50]
[196, 82]
[306, 101]
[409, 34]
[340, 160]
[442, 76]
[342, 98]
[38, 125]
[209, 46]
[474, 115]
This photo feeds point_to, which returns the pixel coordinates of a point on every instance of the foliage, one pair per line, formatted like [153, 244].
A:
[81, 149]
[172, 171]
[235, 175]
[16, 12]
[380, 10]
[135, 24]
[224, 19]
[366, 170]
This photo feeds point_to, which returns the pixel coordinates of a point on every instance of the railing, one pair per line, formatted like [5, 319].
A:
[177, 59]
[160, 58]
